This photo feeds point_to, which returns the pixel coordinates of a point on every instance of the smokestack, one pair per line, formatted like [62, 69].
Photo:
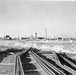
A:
[46, 33]
[18, 35]
[35, 34]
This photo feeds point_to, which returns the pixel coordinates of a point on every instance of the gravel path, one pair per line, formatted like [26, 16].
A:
[6, 69]
[7, 66]
[9, 59]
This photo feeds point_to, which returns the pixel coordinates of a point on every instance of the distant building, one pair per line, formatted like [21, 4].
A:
[74, 39]
[41, 37]
[52, 37]
[7, 37]
[60, 38]
[24, 38]
[32, 37]
[66, 39]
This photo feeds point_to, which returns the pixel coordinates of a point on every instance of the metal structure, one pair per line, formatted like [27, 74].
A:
[47, 65]
[46, 33]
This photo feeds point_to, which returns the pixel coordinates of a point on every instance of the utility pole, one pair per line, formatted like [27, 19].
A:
[46, 33]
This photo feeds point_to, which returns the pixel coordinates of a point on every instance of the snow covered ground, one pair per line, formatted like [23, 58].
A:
[58, 46]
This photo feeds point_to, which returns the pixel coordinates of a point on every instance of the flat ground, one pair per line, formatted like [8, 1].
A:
[7, 65]
[42, 45]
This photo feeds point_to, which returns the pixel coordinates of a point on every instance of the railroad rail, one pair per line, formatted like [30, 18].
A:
[49, 67]
[33, 62]
[18, 63]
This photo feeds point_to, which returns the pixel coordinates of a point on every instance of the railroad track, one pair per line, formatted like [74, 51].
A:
[30, 65]
[38, 64]
[67, 62]
[48, 67]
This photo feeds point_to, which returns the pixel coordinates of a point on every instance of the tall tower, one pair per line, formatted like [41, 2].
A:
[18, 35]
[46, 33]
[35, 34]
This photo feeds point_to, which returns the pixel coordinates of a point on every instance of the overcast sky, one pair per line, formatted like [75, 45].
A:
[28, 17]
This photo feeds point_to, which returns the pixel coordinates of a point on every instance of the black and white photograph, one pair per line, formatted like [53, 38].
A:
[37, 37]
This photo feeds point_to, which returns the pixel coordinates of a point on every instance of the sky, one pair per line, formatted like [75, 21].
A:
[27, 17]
